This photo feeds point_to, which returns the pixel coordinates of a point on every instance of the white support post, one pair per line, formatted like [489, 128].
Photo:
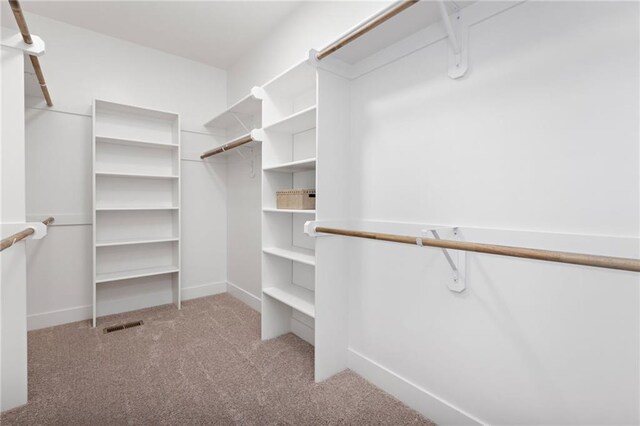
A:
[457, 34]
[13, 266]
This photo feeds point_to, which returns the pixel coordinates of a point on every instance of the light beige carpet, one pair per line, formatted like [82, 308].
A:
[204, 364]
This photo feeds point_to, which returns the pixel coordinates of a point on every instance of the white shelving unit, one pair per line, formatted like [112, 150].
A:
[136, 198]
[289, 161]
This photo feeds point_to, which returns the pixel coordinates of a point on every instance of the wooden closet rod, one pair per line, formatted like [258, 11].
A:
[621, 263]
[366, 27]
[227, 146]
[19, 236]
[26, 36]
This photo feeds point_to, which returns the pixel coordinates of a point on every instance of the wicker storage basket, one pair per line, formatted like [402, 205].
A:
[296, 199]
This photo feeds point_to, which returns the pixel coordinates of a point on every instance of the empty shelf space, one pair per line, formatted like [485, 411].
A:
[132, 241]
[293, 167]
[296, 123]
[125, 208]
[136, 175]
[135, 142]
[135, 273]
[274, 210]
[296, 254]
[297, 297]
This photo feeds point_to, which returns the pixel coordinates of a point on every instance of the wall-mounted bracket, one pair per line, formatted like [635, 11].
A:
[250, 158]
[457, 35]
[457, 259]
[15, 41]
[242, 123]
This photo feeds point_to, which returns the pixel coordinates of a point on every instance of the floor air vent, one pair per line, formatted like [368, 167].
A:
[122, 326]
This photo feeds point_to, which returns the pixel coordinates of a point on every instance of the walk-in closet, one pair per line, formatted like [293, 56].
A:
[414, 212]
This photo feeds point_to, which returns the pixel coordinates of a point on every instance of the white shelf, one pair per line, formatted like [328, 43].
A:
[135, 273]
[296, 123]
[274, 210]
[134, 208]
[132, 241]
[135, 142]
[298, 79]
[295, 254]
[293, 166]
[297, 297]
[249, 106]
[136, 175]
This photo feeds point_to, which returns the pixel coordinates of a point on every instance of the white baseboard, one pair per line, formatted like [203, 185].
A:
[254, 302]
[421, 400]
[81, 313]
[303, 331]
[62, 316]
[203, 290]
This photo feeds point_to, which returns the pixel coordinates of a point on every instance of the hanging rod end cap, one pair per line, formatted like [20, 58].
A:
[313, 58]
[257, 135]
[257, 92]
[310, 228]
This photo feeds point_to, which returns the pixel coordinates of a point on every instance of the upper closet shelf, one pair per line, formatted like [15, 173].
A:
[298, 79]
[293, 167]
[401, 28]
[295, 123]
[239, 113]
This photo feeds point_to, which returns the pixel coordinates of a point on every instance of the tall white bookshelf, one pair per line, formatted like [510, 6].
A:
[136, 206]
[289, 161]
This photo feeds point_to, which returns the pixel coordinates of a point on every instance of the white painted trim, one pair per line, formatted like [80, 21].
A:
[244, 296]
[203, 290]
[416, 397]
[81, 313]
[59, 317]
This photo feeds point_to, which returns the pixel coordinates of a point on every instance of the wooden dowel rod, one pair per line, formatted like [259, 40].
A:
[22, 23]
[229, 145]
[26, 36]
[608, 262]
[19, 236]
[43, 84]
[365, 28]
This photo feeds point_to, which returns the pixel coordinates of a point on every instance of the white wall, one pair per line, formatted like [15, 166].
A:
[538, 144]
[244, 213]
[312, 25]
[80, 65]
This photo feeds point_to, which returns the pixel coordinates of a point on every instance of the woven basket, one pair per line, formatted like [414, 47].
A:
[296, 199]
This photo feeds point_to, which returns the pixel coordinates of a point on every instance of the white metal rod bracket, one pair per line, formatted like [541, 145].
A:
[247, 129]
[457, 259]
[457, 34]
